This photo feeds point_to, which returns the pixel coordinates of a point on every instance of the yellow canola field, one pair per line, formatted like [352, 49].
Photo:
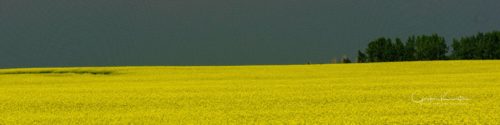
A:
[434, 92]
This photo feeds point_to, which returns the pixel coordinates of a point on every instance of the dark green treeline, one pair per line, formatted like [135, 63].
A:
[432, 47]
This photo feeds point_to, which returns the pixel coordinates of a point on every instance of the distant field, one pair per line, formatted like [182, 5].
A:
[441, 92]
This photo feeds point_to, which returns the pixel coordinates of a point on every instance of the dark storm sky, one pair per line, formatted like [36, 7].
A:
[35, 33]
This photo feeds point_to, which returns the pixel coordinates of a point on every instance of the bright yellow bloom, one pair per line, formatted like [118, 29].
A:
[439, 92]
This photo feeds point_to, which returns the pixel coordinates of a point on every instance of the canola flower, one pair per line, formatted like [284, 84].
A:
[433, 92]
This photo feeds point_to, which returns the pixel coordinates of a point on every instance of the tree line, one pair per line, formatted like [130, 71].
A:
[432, 47]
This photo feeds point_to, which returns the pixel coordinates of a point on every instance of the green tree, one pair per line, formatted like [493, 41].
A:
[465, 48]
[409, 49]
[379, 50]
[399, 50]
[361, 57]
[431, 47]
[479, 46]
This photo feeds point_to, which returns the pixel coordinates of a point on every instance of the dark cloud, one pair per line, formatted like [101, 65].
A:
[37, 33]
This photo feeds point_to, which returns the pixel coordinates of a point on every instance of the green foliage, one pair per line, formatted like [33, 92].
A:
[409, 50]
[380, 50]
[479, 46]
[384, 50]
[361, 57]
[399, 50]
[431, 47]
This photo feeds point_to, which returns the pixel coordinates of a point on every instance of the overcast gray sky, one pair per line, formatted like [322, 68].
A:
[36, 33]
